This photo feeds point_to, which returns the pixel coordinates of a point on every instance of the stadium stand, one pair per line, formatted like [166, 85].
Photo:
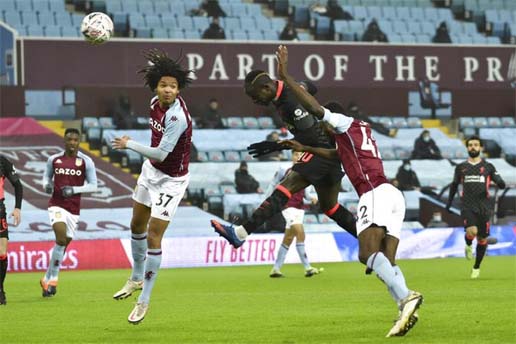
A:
[401, 21]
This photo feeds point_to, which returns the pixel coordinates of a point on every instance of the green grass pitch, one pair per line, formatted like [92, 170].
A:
[244, 305]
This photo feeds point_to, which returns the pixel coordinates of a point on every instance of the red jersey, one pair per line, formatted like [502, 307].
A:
[172, 131]
[358, 152]
[67, 171]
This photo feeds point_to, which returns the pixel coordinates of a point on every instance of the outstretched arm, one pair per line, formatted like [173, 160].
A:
[326, 153]
[306, 99]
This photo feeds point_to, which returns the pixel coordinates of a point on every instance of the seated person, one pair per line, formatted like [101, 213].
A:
[245, 183]
[406, 177]
[425, 147]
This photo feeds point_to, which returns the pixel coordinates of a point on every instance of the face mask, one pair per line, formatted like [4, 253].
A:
[437, 217]
[473, 153]
[406, 167]
[426, 138]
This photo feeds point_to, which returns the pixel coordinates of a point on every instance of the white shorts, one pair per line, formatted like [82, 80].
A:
[383, 206]
[159, 191]
[293, 216]
[58, 214]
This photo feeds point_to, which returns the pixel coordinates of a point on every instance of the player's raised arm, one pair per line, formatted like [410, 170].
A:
[322, 152]
[306, 99]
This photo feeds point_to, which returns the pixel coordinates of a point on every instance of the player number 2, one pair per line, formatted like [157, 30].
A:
[160, 202]
[367, 143]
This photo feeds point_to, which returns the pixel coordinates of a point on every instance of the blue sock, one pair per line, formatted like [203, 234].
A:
[152, 264]
[139, 250]
[383, 268]
[280, 259]
[55, 262]
[300, 247]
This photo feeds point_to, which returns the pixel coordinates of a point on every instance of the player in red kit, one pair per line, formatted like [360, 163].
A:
[164, 177]
[7, 171]
[293, 214]
[381, 207]
[67, 175]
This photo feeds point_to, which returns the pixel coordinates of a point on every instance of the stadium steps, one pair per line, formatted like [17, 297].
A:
[436, 123]
[58, 128]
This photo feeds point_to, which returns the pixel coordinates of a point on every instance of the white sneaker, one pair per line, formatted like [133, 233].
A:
[475, 273]
[406, 317]
[138, 313]
[275, 273]
[129, 288]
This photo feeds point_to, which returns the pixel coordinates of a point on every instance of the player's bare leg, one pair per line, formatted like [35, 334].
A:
[139, 222]
[157, 228]
[48, 282]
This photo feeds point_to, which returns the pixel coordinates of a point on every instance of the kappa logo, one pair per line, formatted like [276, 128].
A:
[165, 213]
[173, 118]
[148, 275]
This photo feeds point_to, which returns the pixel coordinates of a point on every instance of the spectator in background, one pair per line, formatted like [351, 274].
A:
[214, 31]
[274, 156]
[336, 12]
[407, 178]
[123, 115]
[289, 32]
[245, 183]
[209, 8]
[437, 221]
[373, 33]
[425, 147]
[210, 117]
[441, 34]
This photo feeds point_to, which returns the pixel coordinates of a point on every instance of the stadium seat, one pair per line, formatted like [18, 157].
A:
[414, 122]
[233, 156]
[52, 31]
[169, 21]
[310, 219]
[201, 23]
[145, 6]
[301, 17]
[216, 156]
[227, 188]
[270, 35]
[235, 123]
[192, 34]
[63, 18]
[93, 136]
[322, 28]
[402, 153]
[35, 30]
[143, 32]
[387, 153]
[278, 23]
[250, 123]
[247, 24]
[399, 122]
[202, 156]
[323, 218]
[263, 23]
[508, 122]
[113, 6]
[8, 6]
[494, 122]
[229, 23]
[106, 123]
[29, 18]
[480, 122]
[159, 33]
[239, 35]
[23, 6]
[185, 23]
[244, 156]
[266, 123]
[161, 7]
[70, 31]
[153, 21]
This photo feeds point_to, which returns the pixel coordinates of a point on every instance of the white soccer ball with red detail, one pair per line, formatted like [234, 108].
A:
[97, 27]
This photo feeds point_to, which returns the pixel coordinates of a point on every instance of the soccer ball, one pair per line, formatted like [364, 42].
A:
[97, 27]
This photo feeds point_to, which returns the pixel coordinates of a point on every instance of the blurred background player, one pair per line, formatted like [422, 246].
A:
[68, 174]
[294, 214]
[381, 207]
[475, 175]
[164, 177]
[324, 174]
[8, 171]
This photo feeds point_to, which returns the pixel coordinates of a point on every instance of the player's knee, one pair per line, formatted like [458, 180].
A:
[472, 231]
[482, 241]
[61, 241]
[3, 252]
[363, 255]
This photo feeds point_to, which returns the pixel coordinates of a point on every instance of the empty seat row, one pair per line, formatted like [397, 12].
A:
[138, 20]
[486, 122]
[48, 31]
[401, 13]
[44, 18]
[163, 33]
[32, 5]
[398, 122]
